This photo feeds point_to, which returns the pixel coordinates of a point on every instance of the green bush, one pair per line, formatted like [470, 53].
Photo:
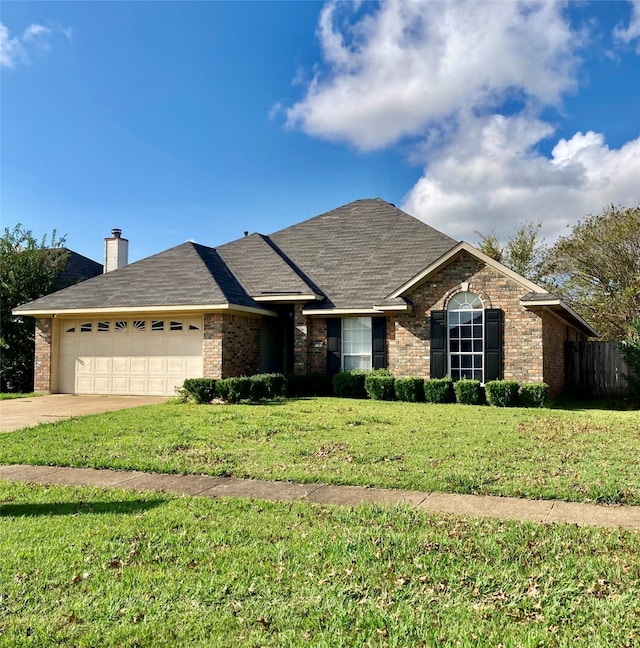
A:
[410, 390]
[309, 385]
[200, 390]
[222, 389]
[631, 352]
[438, 390]
[379, 385]
[534, 394]
[502, 393]
[267, 386]
[238, 389]
[468, 392]
[349, 384]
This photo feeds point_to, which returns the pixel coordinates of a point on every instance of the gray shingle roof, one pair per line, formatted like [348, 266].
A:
[359, 253]
[354, 256]
[78, 268]
[185, 275]
[261, 268]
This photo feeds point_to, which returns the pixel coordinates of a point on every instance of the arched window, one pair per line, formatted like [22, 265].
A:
[465, 336]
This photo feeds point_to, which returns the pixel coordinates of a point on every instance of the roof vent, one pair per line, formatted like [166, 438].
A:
[116, 233]
[246, 233]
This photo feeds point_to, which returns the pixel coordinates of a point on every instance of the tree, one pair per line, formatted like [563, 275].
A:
[28, 269]
[596, 269]
[631, 351]
[523, 252]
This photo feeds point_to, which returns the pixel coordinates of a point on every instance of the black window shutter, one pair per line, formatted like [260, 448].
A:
[492, 344]
[334, 330]
[438, 344]
[379, 343]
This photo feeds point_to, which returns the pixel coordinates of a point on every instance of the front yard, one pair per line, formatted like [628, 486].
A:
[90, 567]
[584, 456]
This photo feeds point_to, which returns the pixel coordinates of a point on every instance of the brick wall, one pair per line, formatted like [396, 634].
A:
[231, 345]
[556, 333]
[309, 343]
[42, 365]
[408, 334]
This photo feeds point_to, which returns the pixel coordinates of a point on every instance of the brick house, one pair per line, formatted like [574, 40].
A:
[362, 286]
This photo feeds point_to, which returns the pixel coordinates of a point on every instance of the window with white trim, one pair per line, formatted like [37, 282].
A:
[465, 336]
[356, 343]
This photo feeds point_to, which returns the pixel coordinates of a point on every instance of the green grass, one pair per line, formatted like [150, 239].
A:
[12, 395]
[90, 567]
[572, 455]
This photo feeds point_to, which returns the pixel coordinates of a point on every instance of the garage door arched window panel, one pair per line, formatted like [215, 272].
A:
[465, 336]
[120, 325]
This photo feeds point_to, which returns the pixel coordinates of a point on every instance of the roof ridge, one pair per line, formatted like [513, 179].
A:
[307, 280]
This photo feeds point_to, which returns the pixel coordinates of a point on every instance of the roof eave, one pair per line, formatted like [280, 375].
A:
[281, 298]
[559, 307]
[132, 310]
[449, 256]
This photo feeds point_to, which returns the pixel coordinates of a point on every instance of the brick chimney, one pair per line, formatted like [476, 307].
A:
[116, 251]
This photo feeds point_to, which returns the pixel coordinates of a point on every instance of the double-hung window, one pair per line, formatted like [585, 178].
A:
[356, 343]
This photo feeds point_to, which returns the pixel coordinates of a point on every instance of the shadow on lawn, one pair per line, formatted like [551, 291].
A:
[123, 507]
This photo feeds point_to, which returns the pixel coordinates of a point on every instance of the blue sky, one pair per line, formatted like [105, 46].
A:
[181, 121]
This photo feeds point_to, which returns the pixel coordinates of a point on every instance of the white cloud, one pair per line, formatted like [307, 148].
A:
[465, 83]
[17, 50]
[490, 177]
[399, 70]
[632, 31]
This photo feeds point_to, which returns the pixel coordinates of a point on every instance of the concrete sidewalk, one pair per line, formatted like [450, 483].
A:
[506, 508]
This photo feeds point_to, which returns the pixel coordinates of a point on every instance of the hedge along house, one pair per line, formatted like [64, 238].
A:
[362, 286]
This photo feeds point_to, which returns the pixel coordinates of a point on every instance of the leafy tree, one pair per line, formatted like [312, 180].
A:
[523, 252]
[631, 352]
[28, 269]
[596, 269]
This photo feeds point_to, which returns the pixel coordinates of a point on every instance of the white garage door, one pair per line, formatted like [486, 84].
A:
[129, 356]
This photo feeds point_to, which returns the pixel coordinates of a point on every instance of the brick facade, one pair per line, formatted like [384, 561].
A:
[556, 333]
[231, 345]
[409, 341]
[42, 367]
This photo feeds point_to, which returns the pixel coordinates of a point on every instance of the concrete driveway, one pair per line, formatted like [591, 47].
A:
[19, 413]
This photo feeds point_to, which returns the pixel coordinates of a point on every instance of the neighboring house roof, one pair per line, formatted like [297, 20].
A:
[78, 268]
[363, 257]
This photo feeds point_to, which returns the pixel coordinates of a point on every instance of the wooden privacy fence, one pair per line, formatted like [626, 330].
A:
[595, 370]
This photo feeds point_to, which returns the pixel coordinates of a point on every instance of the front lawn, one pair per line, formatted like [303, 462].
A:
[90, 567]
[589, 455]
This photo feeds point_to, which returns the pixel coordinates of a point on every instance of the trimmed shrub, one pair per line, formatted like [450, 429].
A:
[410, 390]
[238, 389]
[349, 384]
[310, 385]
[267, 386]
[222, 388]
[502, 393]
[468, 392]
[379, 385]
[534, 394]
[200, 390]
[438, 390]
